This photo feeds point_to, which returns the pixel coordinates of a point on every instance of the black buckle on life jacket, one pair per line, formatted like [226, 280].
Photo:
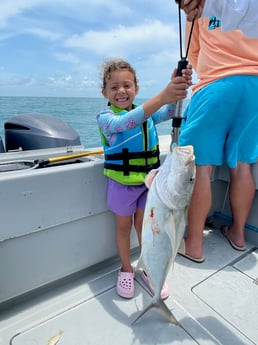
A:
[126, 155]
[132, 168]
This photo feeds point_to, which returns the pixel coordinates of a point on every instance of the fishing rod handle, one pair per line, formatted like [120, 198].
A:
[178, 110]
[174, 137]
[182, 64]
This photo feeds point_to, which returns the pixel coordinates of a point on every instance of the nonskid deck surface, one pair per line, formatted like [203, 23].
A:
[214, 302]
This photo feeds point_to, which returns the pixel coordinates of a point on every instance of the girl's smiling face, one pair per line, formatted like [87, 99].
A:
[120, 89]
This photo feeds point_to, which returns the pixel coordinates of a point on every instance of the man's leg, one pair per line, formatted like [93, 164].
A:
[241, 194]
[199, 207]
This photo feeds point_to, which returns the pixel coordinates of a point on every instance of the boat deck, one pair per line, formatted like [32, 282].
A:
[214, 302]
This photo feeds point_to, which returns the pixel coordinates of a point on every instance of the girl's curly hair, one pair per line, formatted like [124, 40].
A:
[116, 64]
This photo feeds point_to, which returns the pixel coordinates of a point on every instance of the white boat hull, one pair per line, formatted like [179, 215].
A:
[54, 223]
[59, 263]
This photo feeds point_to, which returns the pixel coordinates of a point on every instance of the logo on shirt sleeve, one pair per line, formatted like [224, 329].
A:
[214, 23]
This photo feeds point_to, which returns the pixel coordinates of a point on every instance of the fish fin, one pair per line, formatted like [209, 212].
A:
[55, 339]
[162, 308]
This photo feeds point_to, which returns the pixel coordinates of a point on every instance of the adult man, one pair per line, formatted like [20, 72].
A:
[221, 119]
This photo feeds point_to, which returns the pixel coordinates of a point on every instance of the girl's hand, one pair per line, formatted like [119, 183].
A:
[186, 73]
[175, 90]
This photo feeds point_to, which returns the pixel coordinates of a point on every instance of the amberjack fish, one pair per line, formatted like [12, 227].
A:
[170, 190]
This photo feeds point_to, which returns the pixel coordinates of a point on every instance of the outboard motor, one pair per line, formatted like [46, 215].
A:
[38, 131]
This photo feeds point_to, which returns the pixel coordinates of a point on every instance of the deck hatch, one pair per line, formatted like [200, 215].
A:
[230, 291]
[81, 324]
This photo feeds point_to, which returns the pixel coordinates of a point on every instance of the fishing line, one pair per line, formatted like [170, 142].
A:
[180, 35]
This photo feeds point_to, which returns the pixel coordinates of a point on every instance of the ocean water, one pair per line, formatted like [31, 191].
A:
[79, 113]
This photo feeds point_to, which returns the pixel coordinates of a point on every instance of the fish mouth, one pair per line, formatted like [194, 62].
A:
[187, 151]
[189, 160]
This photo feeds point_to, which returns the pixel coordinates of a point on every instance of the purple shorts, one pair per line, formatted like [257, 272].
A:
[123, 199]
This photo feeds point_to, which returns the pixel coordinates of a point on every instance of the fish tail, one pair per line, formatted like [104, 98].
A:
[162, 308]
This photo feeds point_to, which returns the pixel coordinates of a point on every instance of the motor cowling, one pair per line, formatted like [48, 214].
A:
[38, 131]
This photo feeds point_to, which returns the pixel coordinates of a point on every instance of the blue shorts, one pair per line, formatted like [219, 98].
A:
[125, 200]
[222, 122]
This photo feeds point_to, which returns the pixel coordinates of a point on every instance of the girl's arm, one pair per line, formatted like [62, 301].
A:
[111, 123]
[173, 92]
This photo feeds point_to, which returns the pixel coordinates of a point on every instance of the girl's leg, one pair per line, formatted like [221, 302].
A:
[125, 280]
[124, 225]
[138, 219]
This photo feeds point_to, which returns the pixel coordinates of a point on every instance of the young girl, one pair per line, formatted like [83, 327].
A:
[131, 150]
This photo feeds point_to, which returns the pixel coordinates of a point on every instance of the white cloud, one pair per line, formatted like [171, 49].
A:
[11, 8]
[67, 57]
[45, 41]
[143, 38]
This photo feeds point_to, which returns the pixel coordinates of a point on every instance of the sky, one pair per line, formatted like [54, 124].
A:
[57, 47]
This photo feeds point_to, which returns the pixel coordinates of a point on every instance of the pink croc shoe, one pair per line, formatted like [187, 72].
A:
[165, 289]
[125, 284]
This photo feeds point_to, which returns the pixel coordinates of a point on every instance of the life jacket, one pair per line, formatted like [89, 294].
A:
[133, 153]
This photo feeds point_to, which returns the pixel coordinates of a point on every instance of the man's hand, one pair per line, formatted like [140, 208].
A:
[193, 8]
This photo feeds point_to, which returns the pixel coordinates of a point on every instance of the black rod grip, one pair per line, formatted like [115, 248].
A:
[182, 64]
